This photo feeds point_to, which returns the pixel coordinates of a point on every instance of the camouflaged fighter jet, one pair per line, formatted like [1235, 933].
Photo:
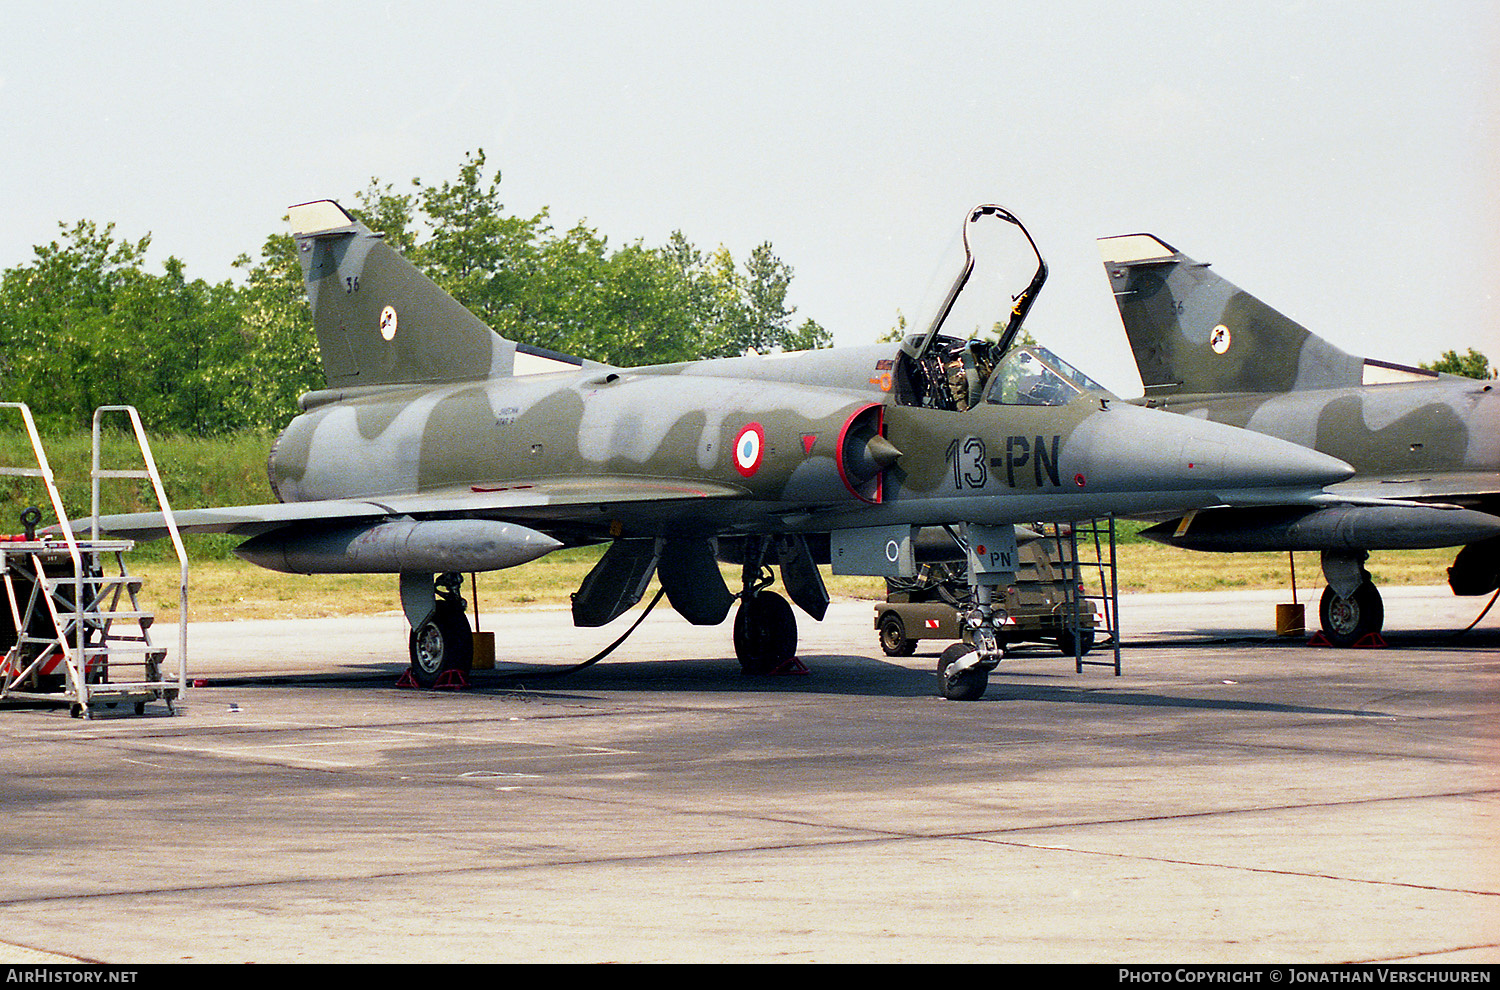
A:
[1426, 446]
[440, 448]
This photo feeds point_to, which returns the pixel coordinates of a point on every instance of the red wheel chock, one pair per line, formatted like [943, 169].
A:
[1369, 641]
[448, 680]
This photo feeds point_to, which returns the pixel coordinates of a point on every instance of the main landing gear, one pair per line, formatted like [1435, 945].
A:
[1347, 620]
[441, 641]
[1351, 608]
[765, 630]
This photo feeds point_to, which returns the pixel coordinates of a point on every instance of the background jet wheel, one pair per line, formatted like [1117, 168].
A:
[1347, 620]
[893, 637]
[765, 633]
[1085, 642]
[966, 685]
[444, 642]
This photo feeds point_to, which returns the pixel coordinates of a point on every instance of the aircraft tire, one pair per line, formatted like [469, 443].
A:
[967, 685]
[443, 643]
[1348, 620]
[893, 639]
[765, 633]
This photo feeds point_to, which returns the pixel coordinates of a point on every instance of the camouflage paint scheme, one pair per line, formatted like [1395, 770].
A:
[431, 416]
[391, 426]
[1206, 349]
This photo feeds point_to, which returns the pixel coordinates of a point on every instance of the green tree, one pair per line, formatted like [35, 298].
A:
[393, 214]
[1470, 365]
[276, 359]
[572, 292]
[753, 313]
[163, 348]
[51, 314]
[84, 324]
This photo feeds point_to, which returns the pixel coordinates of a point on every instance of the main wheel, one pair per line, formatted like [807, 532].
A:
[893, 637]
[765, 633]
[966, 685]
[1347, 620]
[444, 642]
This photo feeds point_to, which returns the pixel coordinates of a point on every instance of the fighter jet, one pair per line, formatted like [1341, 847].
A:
[1426, 446]
[440, 448]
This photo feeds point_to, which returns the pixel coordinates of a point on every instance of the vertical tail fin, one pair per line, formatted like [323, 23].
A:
[379, 320]
[1194, 332]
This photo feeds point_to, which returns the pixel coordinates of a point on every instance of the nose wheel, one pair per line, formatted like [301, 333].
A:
[964, 668]
[961, 677]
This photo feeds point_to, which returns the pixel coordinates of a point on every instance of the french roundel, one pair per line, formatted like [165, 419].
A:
[748, 447]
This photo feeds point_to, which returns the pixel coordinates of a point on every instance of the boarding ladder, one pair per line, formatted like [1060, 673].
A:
[78, 633]
[1092, 588]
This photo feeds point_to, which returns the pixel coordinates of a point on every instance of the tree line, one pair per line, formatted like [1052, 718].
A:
[1470, 365]
[84, 324]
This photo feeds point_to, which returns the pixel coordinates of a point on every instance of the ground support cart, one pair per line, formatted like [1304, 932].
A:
[72, 629]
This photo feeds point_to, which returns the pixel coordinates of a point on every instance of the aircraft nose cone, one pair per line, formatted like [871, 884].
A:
[1253, 460]
[1161, 451]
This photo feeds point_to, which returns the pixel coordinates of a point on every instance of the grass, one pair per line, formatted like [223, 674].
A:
[1155, 568]
[222, 590]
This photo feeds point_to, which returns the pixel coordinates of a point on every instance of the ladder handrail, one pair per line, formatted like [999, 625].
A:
[1109, 589]
[44, 471]
[95, 474]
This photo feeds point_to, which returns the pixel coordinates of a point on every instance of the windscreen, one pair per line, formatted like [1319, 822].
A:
[1034, 376]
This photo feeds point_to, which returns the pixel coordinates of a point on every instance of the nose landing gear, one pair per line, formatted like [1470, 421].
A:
[964, 668]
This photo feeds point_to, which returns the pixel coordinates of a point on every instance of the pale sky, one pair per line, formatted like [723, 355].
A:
[1336, 159]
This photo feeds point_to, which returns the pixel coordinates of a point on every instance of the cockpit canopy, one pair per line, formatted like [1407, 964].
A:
[953, 365]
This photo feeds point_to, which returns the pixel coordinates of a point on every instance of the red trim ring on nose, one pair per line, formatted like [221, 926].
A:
[854, 488]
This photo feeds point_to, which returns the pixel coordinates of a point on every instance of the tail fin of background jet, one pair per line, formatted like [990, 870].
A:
[380, 321]
[1193, 332]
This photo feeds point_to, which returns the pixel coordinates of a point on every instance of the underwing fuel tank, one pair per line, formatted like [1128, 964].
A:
[1353, 527]
[397, 546]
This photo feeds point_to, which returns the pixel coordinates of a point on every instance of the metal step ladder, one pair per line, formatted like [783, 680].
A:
[1093, 589]
[75, 632]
